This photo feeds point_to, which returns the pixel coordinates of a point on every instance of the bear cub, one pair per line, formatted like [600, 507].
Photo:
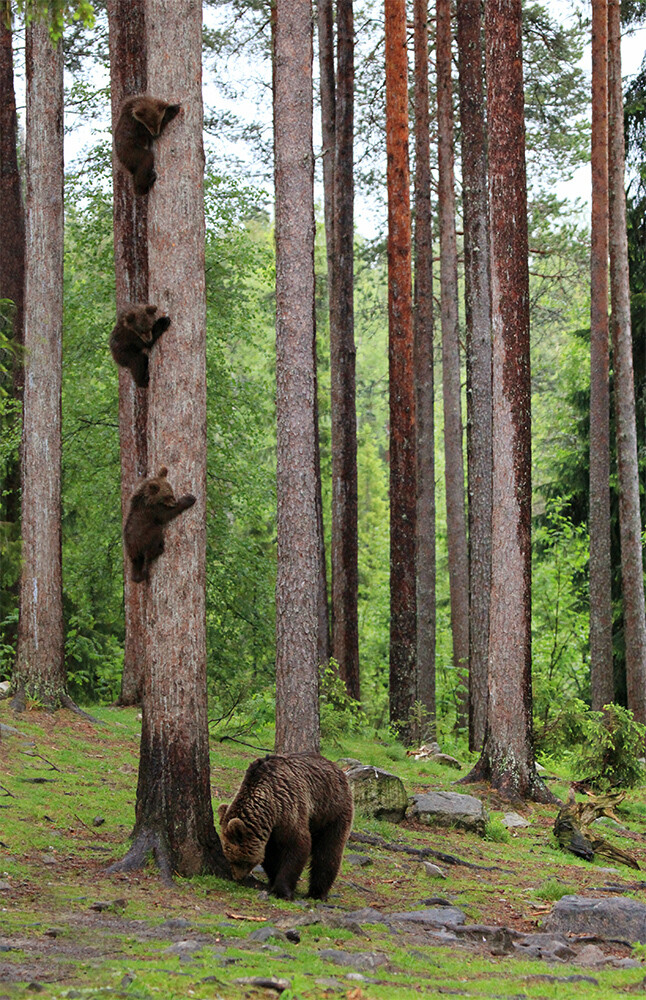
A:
[289, 807]
[141, 119]
[138, 328]
[152, 506]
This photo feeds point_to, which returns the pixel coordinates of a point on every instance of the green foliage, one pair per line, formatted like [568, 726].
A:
[496, 832]
[340, 714]
[552, 889]
[559, 733]
[609, 756]
[57, 13]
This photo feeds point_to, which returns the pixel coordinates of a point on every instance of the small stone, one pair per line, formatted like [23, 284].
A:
[175, 924]
[449, 809]
[447, 760]
[360, 860]
[436, 916]
[329, 983]
[54, 932]
[182, 948]
[36, 987]
[433, 871]
[98, 821]
[5, 687]
[354, 960]
[590, 955]
[265, 982]
[263, 934]
[5, 886]
[513, 819]
[127, 980]
[293, 936]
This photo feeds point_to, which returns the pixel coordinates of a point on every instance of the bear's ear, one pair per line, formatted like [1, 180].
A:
[170, 112]
[222, 811]
[163, 472]
[236, 830]
[151, 310]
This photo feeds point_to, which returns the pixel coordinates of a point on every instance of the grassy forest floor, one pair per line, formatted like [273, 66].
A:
[69, 930]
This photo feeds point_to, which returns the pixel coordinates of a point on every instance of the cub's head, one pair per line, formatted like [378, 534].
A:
[157, 489]
[242, 848]
[145, 322]
[153, 113]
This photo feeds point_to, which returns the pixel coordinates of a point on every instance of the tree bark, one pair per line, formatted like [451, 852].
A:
[12, 285]
[507, 758]
[345, 581]
[174, 816]
[40, 667]
[403, 489]
[477, 281]
[601, 676]
[456, 529]
[128, 75]
[423, 359]
[297, 720]
[632, 572]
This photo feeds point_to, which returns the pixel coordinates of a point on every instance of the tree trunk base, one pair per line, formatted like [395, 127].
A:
[18, 704]
[510, 786]
[148, 841]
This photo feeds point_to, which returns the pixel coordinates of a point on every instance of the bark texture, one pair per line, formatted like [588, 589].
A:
[174, 817]
[456, 528]
[632, 573]
[424, 387]
[507, 758]
[297, 720]
[477, 282]
[403, 488]
[601, 678]
[128, 75]
[40, 668]
[345, 581]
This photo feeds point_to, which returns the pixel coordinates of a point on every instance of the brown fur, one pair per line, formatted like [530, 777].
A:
[289, 807]
[152, 506]
[138, 328]
[141, 119]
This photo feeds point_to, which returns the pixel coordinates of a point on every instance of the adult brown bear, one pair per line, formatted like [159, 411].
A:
[152, 506]
[289, 807]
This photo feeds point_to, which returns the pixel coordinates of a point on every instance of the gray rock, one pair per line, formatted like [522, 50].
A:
[449, 809]
[265, 982]
[360, 860]
[499, 940]
[447, 760]
[562, 979]
[590, 955]
[512, 820]
[367, 915]
[5, 886]
[354, 960]
[344, 762]
[175, 924]
[433, 871]
[440, 916]
[329, 983]
[263, 934]
[186, 947]
[378, 793]
[549, 947]
[613, 919]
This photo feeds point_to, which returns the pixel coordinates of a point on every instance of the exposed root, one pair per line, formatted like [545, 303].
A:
[66, 702]
[422, 852]
[146, 842]
[19, 703]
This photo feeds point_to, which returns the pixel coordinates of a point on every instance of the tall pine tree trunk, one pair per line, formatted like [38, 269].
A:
[174, 816]
[40, 668]
[478, 318]
[403, 489]
[507, 758]
[632, 573]
[345, 582]
[424, 388]
[297, 720]
[456, 528]
[601, 678]
[128, 74]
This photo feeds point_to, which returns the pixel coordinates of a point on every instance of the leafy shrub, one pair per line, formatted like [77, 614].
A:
[565, 730]
[609, 754]
[552, 889]
[340, 714]
[496, 831]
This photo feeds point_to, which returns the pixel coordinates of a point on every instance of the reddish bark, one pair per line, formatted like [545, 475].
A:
[632, 573]
[601, 679]
[507, 758]
[174, 816]
[424, 388]
[128, 62]
[345, 581]
[456, 528]
[478, 318]
[297, 724]
[40, 668]
[403, 489]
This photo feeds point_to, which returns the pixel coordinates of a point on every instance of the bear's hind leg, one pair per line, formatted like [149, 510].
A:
[144, 175]
[292, 862]
[139, 369]
[327, 852]
[271, 861]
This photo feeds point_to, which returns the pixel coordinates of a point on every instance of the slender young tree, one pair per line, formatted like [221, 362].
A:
[174, 816]
[456, 528]
[297, 719]
[345, 574]
[424, 387]
[507, 758]
[39, 670]
[128, 64]
[601, 679]
[632, 573]
[403, 488]
[475, 206]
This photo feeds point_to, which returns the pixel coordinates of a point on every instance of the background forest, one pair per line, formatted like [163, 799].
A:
[240, 274]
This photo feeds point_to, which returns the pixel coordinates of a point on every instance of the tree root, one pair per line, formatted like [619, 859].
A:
[18, 704]
[146, 842]
[423, 852]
